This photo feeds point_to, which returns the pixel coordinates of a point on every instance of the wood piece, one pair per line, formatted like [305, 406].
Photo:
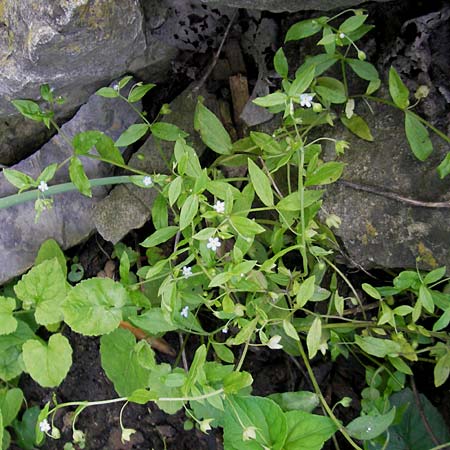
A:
[239, 96]
[234, 55]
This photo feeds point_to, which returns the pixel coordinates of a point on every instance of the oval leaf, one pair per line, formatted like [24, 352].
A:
[418, 137]
[261, 183]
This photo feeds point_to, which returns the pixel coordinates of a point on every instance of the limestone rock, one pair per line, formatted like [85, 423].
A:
[127, 206]
[75, 46]
[70, 221]
[288, 5]
[379, 231]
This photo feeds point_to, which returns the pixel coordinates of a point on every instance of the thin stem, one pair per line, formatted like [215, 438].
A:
[190, 399]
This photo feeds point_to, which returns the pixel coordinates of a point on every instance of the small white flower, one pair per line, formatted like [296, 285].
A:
[225, 330]
[44, 426]
[184, 312]
[249, 433]
[43, 186]
[147, 181]
[306, 100]
[213, 243]
[342, 35]
[116, 87]
[274, 342]
[219, 207]
[187, 271]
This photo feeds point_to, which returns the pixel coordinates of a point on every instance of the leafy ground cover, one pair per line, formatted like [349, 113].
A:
[231, 316]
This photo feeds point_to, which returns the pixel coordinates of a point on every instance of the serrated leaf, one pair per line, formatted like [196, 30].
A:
[366, 428]
[119, 355]
[331, 90]
[160, 236]
[363, 69]
[167, 131]
[280, 63]
[314, 337]
[303, 29]
[352, 23]
[94, 307]
[48, 364]
[138, 91]
[261, 413]
[78, 177]
[418, 137]
[44, 287]
[357, 125]
[307, 431]
[8, 323]
[303, 79]
[260, 183]
[132, 134]
[211, 130]
[188, 211]
[399, 92]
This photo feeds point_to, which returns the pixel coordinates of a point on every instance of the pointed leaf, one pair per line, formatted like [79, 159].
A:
[280, 63]
[188, 211]
[399, 92]
[132, 134]
[418, 137]
[78, 177]
[261, 183]
[357, 125]
[302, 30]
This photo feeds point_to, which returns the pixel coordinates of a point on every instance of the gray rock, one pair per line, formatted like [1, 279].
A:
[76, 46]
[70, 220]
[127, 206]
[379, 231]
[288, 5]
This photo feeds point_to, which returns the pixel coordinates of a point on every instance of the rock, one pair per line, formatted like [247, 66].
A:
[127, 206]
[287, 5]
[379, 231]
[75, 46]
[70, 221]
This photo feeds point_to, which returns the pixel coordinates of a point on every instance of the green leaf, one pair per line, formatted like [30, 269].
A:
[328, 38]
[25, 429]
[223, 352]
[331, 90]
[94, 306]
[132, 134]
[303, 79]
[373, 86]
[330, 48]
[167, 131]
[280, 63]
[303, 29]
[153, 322]
[48, 364]
[84, 141]
[211, 130]
[48, 250]
[260, 183]
[357, 125]
[442, 370]
[108, 151]
[418, 137]
[274, 99]
[107, 92]
[10, 403]
[443, 168]
[292, 202]
[235, 381]
[78, 177]
[266, 142]
[175, 189]
[188, 211]
[293, 401]
[426, 299]
[325, 174]
[399, 92]
[306, 291]
[124, 81]
[368, 289]
[363, 69]
[261, 413]
[48, 173]
[321, 63]
[185, 153]
[246, 227]
[8, 322]
[378, 347]
[138, 91]
[410, 433]
[28, 109]
[366, 428]
[119, 354]
[290, 330]
[307, 431]
[196, 370]
[314, 337]
[434, 275]
[11, 361]
[160, 213]
[44, 287]
[18, 179]
[352, 23]
[160, 236]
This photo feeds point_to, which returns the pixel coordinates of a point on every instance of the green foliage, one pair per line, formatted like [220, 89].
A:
[242, 262]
